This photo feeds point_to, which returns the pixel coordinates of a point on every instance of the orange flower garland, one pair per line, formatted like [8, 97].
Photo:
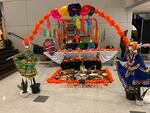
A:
[75, 82]
[55, 13]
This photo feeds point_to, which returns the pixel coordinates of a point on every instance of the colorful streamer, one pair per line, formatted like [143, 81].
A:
[74, 11]
[48, 25]
[78, 23]
[91, 29]
[100, 38]
[88, 25]
[96, 36]
[74, 20]
[104, 37]
[47, 33]
[83, 26]
[41, 31]
[44, 33]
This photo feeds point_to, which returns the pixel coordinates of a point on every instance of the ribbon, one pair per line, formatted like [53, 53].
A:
[30, 45]
[44, 33]
[74, 20]
[78, 24]
[103, 38]
[91, 28]
[47, 33]
[88, 24]
[49, 27]
[96, 37]
[41, 31]
[100, 38]
[48, 24]
[54, 34]
[83, 26]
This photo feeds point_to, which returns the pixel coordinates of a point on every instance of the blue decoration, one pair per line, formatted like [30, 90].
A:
[44, 32]
[88, 21]
[91, 46]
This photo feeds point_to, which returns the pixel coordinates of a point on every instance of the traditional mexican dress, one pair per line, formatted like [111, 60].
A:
[133, 73]
[49, 46]
[25, 62]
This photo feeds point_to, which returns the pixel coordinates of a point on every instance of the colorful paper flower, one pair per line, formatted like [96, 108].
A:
[26, 41]
[64, 11]
[31, 37]
[55, 14]
[85, 10]
[74, 9]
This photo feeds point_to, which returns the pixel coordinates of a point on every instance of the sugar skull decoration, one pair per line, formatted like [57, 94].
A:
[133, 46]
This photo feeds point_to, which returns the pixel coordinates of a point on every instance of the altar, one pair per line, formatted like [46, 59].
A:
[103, 54]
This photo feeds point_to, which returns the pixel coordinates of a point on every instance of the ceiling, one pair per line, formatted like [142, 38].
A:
[143, 8]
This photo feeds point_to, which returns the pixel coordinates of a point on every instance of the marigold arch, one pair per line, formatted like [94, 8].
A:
[64, 11]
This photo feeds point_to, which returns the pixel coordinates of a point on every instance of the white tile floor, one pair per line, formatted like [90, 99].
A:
[109, 99]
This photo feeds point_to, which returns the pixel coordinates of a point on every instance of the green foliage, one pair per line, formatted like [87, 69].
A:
[139, 95]
[23, 86]
[144, 93]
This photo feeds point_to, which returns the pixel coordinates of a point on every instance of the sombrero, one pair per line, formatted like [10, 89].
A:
[55, 14]
[64, 11]
[85, 10]
[91, 11]
[74, 9]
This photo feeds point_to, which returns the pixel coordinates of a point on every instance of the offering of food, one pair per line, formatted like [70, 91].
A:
[88, 77]
[104, 74]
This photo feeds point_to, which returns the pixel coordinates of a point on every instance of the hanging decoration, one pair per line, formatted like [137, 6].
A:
[86, 10]
[31, 37]
[77, 37]
[55, 14]
[34, 32]
[48, 25]
[103, 35]
[41, 21]
[47, 33]
[41, 31]
[88, 25]
[96, 34]
[78, 23]
[26, 41]
[100, 38]
[82, 25]
[64, 11]
[44, 32]
[74, 20]
[37, 26]
[74, 10]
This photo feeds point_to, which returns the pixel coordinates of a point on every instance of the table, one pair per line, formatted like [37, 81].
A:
[76, 64]
[104, 54]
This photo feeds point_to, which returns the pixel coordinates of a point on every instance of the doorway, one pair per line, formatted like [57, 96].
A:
[141, 22]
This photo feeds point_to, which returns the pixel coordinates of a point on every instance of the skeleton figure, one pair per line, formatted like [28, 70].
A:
[133, 71]
[25, 62]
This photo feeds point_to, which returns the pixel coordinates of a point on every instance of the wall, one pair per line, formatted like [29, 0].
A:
[21, 15]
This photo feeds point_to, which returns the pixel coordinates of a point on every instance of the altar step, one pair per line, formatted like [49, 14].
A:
[7, 67]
